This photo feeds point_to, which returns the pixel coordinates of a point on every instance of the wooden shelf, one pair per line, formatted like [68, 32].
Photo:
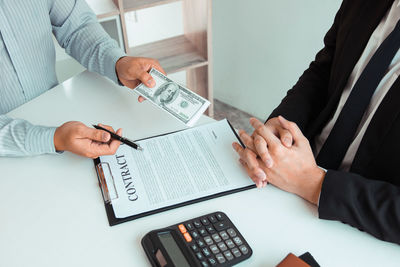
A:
[191, 51]
[103, 8]
[174, 54]
[132, 5]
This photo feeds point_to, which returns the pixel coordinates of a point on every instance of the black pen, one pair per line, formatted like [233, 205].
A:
[120, 138]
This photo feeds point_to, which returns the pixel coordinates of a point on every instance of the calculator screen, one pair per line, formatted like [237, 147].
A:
[172, 249]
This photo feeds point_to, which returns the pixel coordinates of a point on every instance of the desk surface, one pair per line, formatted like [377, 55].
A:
[52, 213]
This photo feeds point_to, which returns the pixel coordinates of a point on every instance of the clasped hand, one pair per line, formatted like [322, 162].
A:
[279, 153]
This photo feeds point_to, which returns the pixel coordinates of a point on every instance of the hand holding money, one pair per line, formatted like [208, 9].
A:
[131, 71]
[173, 98]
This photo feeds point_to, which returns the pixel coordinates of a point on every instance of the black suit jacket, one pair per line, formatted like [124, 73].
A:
[367, 197]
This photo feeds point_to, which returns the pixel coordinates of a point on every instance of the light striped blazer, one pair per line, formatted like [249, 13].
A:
[27, 62]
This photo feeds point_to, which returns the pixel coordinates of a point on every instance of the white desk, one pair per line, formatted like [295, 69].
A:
[52, 212]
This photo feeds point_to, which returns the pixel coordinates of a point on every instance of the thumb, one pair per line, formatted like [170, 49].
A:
[97, 135]
[146, 78]
[291, 127]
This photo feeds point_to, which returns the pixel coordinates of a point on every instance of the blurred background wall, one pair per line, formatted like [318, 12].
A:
[261, 47]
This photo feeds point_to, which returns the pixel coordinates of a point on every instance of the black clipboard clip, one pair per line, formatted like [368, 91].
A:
[108, 195]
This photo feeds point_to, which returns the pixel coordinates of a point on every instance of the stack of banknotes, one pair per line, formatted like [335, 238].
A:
[174, 98]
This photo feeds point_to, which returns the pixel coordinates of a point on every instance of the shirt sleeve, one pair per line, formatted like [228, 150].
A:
[20, 138]
[77, 30]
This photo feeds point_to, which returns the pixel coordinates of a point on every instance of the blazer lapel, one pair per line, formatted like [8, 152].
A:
[356, 41]
[349, 49]
[378, 128]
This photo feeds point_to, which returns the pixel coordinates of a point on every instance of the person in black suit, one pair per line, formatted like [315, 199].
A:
[333, 140]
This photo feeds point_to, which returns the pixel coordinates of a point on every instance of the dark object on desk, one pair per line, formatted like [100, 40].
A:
[120, 138]
[305, 260]
[209, 240]
[308, 258]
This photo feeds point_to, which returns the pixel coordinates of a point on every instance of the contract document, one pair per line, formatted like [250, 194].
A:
[174, 170]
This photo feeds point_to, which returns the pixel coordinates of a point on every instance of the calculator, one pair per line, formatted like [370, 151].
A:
[209, 240]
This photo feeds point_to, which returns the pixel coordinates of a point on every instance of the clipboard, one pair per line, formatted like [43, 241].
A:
[109, 195]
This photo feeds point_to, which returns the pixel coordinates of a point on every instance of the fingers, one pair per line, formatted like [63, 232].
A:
[130, 84]
[247, 140]
[259, 145]
[249, 159]
[292, 128]
[247, 155]
[146, 78]
[101, 148]
[286, 137]
[141, 99]
[274, 126]
[262, 150]
[110, 140]
[259, 183]
[108, 127]
[267, 134]
[95, 135]
[114, 144]
[132, 71]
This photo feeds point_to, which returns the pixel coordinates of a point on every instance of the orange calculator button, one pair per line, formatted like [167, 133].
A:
[187, 237]
[182, 228]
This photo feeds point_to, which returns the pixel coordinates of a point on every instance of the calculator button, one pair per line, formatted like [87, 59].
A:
[204, 264]
[236, 252]
[197, 223]
[190, 226]
[220, 226]
[210, 229]
[222, 246]
[220, 217]
[208, 240]
[199, 256]
[212, 261]
[182, 228]
[212, 219]
[231, 232]
[228, 255]
[220, 258]
[201, 243]
[204, 221]
[230, 243]
[203, 232]
[224, 235]
[195, 234]
[187, 236]
[214, 249]
[244, 249]
[238, 241]
[194, 247]
[206, 252]
[216, 238]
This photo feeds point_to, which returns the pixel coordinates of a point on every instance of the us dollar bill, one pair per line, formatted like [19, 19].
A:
[173, 98]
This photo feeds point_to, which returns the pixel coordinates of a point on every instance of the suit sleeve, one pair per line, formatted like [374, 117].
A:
[76, 29]
[370, 205]
[309, 95]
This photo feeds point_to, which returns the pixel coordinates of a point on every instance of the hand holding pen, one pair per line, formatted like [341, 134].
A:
[76, 137]
[120, 138]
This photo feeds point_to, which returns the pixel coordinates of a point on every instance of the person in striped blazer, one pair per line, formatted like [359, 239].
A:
[27, 69]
